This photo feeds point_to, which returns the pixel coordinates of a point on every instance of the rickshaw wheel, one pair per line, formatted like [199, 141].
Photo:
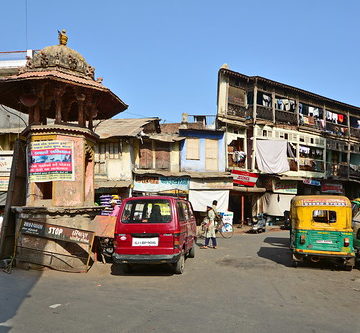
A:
[348, 268]
[295, 263]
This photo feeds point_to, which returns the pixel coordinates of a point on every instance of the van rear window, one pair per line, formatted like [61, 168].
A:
[147, 211]
[324, 216]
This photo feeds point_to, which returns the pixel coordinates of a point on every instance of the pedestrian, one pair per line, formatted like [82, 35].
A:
[210, 228]
[115, 207]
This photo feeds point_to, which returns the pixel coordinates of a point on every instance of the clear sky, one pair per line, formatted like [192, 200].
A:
[162, 56]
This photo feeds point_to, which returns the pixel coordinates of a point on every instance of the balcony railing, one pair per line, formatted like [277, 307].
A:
[236, 110]
[337, 170]
[285, 117]
[354, 171]
[263, 112]
[337, 129]
[309, 164]
[355, 132]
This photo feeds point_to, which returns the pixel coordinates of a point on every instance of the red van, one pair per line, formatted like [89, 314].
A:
[154, 230]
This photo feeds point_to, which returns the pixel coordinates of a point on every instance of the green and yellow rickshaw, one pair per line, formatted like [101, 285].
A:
[321, 228]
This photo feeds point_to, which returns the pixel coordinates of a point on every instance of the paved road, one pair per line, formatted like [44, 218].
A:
[246, 285]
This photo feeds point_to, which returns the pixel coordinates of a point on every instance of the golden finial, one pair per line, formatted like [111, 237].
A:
[62, 37]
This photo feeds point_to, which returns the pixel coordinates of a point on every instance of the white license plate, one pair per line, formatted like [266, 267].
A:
[145, 241]
[323, 241]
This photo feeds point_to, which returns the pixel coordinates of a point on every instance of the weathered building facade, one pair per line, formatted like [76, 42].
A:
[316, 139]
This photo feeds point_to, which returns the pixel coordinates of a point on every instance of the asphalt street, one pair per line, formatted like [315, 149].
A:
[246, 285]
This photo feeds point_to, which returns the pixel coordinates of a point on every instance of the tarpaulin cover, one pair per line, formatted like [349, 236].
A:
[271, 156]
[200, 199]
[275, 204]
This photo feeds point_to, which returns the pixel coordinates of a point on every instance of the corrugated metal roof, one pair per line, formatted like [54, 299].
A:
[167, 138]
[121, 127]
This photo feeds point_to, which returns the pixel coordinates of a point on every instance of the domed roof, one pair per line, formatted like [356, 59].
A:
[61, 58]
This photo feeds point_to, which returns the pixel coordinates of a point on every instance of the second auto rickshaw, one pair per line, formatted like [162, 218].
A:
[321, 229]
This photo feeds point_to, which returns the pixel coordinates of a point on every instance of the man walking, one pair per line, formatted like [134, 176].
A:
[210, 228]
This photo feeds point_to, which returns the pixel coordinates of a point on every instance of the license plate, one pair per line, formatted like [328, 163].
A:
[145, 241]
[322, 241]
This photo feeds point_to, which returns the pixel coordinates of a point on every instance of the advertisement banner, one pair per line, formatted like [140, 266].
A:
[312, 182]
[5, 163]
[160, 183]
[4, 183]
[285, 186]
[51, 160]
[244, 178]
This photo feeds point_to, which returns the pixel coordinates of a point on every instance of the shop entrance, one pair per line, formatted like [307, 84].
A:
[241, 206]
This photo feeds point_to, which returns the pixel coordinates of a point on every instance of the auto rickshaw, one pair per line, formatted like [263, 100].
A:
[321, 228]
[356, 227]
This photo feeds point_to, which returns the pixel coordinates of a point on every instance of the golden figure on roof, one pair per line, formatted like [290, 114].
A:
[63, 38]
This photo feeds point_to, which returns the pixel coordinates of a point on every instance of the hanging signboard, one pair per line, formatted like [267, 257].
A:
[332, 188]
[51, 160]
[244, 178]
[160, 183]
[285, 186]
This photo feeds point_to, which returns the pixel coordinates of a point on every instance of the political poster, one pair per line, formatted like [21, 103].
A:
[51, 160]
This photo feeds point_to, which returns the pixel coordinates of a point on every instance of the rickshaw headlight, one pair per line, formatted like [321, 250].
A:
[302, 239]
[346, 241]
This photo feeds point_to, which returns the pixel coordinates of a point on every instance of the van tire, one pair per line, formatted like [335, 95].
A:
[180, 264]
[192, 252]
[126, 268]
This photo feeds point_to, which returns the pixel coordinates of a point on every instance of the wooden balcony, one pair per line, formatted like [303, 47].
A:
[337, 129]
[264, 113]
[285, 117]
[355, 132]
[238, 111]
[309, 164]
[337, 170]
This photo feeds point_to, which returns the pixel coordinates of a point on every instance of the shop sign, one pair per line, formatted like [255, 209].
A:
[244, 178]
[312, 182]
[285, 186]
[51, 160]
[4, 183]
[332, 188]
[5, 163]
[324, 202]
[37, 228]
[160, 183]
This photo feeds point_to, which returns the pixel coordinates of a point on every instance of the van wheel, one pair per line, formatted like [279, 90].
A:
[180, 264]
[192, 252]
[126, 268]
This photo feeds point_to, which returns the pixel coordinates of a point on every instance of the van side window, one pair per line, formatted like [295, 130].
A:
[324, 216]
[181, 211]
[186, 210]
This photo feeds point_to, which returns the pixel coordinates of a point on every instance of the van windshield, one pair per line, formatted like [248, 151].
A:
[147, 211]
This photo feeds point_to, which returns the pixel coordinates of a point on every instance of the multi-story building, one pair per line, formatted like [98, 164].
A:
[287, 141]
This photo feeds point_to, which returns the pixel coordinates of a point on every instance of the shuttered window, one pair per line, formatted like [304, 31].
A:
[211, 155]
[162, 155]
[192, 149]
[146, 155]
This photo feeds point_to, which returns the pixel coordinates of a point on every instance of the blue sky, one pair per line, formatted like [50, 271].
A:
[162, 57]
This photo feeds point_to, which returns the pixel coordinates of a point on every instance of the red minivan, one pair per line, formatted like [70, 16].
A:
[154, 230]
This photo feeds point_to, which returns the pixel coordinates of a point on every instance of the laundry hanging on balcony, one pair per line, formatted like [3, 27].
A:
[271, 156]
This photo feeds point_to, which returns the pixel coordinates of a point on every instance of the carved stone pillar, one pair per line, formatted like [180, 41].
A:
[58, 95]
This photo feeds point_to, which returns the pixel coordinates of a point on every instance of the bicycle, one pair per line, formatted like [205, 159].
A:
[225, 229]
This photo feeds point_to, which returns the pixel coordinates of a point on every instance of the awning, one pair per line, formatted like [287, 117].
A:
[111, 184]
[249, 189]
[167, 138]
[275, 204]
[202, 198]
